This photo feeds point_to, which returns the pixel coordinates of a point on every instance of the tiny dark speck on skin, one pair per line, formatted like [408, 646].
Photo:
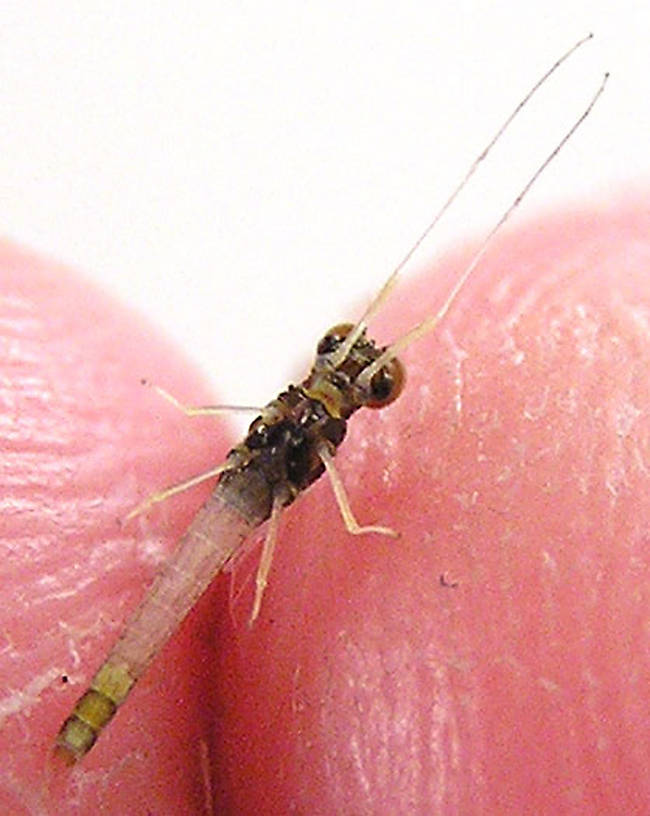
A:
[445, 582]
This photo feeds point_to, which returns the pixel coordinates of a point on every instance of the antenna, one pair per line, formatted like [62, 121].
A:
[343, 351]
[430, 323]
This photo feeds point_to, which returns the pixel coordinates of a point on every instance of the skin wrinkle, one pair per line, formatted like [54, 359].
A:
[393, 723]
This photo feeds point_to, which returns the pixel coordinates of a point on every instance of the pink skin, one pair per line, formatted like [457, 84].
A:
[494, 659]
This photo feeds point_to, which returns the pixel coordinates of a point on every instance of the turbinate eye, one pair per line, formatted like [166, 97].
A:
[334, 337]
[386, 385]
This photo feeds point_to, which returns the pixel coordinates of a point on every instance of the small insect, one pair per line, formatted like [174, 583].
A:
[288, 447]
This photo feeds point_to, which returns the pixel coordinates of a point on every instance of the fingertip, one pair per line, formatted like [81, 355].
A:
[510, 467]
[83, 441]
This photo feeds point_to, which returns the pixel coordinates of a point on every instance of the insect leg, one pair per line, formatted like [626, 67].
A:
[351, 524]
[161, 495]
[261, 579]
[203, 410]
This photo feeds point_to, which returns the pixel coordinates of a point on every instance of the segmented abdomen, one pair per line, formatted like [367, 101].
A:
[215, 534]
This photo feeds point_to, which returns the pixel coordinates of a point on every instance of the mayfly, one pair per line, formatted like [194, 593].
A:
[288, 446]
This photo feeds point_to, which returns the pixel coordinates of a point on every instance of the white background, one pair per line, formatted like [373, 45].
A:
[246, 173]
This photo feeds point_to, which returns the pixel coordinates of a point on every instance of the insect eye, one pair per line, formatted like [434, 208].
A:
[386, 385]
[258, 434]
[334, 337]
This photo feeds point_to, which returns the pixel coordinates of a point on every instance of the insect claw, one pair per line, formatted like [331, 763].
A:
[373, 528]
[351, 524]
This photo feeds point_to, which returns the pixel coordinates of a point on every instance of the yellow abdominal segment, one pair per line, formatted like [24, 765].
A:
[93, 711]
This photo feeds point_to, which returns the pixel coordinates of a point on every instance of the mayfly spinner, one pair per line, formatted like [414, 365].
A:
[290, 444]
